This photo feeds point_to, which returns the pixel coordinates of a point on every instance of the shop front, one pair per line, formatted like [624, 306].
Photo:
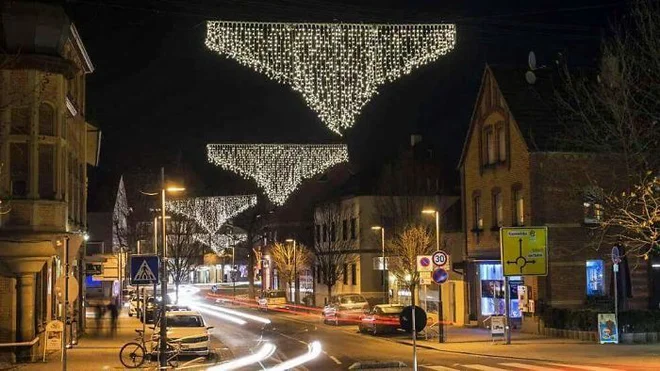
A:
[487, 292]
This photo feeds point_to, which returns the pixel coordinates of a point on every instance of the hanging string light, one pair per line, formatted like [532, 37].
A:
[336, 67]
[211, 213]
[278, 169]
[219, 242]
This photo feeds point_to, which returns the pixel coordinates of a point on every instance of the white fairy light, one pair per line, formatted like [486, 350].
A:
[336, 67]
[278, 169]
[211, 213]
[219, 242]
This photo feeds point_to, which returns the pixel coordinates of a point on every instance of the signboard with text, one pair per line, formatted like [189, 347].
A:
[524, 251]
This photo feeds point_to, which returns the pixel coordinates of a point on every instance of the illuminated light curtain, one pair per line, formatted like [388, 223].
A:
[336, 67]
[278, 169]
[211, 213]
[219, 242]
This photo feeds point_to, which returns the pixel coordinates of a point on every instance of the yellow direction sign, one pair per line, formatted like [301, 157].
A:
[524, 251]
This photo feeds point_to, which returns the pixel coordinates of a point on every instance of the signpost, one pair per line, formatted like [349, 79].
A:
[442, 265]
[524, 252]
[424, 263]
[616, 259]
[144, 270]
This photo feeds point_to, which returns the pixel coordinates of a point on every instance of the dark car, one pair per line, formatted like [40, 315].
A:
[381, 319]
[345, 308]
[152, 307]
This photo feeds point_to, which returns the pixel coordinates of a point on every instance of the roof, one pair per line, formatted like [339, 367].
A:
[532, 106]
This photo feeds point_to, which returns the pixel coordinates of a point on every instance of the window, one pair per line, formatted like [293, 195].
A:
[501, 143]
[595, 279]
[344, 229]
[345, 274]
[20, 121]
[353, 229]
[498, 209]
[593, 212]
[489, 154]
[46, 171]
[333, 232]
[325, 232]
[478, 219]
[492, 291]
[46, 119]
[518, 208]
[353, 274]
[18, 169]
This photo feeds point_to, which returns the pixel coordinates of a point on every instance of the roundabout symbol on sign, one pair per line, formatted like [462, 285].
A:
[440, 276]
[440, 258]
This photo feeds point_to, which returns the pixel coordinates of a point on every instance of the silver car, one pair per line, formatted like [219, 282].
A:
[345, 308]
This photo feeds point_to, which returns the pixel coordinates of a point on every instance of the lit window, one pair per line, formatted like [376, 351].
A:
[595, 278]
[501, 141]
[490, 147]
[498, 210]
[593, 213]
[492, 291]
[478, 219]
[519, 208]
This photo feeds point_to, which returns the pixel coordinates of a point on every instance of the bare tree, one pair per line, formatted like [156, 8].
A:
[404, 248]
[618, 112]
[331, 251]
[184, 253]
[288, 260]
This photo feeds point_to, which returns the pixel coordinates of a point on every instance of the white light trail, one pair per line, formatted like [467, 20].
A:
[223, 316]
[314, 351]
[236, 313]
[266, 351]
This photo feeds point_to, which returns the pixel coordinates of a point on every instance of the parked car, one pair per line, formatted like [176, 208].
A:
[272, 299]
[190, 329]
[152, 308]
[344, 308]
[134, 306]
[381, 318]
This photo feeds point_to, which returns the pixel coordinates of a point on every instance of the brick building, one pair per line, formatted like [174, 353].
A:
[45, 147]
[513, 174]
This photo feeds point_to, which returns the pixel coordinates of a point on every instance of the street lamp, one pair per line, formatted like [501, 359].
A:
[386, 298]
[441, 326]
[295, 271]
[163, 284]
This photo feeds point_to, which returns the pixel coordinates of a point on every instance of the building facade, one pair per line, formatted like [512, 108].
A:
[512, 174]
[45, 147]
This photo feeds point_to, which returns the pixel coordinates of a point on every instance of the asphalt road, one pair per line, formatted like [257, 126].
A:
[343, 346]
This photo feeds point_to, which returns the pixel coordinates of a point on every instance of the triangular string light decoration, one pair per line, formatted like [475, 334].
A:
[219, 242]
[337, 67]
[278, 169]
[211, 213]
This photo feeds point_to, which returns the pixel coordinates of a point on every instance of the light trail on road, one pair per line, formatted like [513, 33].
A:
[234, 313]
[223, 316]
[266, 351]
[315, 350]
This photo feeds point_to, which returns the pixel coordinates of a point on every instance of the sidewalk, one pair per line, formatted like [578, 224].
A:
[477, 342]
[97, 349]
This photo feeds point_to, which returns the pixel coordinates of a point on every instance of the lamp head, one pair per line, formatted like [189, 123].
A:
[428, 211]
[289, 240]
[174, 189]
[376, 228]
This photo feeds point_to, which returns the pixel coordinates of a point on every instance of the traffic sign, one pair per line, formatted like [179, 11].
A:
[425, 278]
[440, 258]
[440, 276]
[405, 318]
[616, 255]
[424, 263]
[73, 288]
[144, 269]
[524, 251]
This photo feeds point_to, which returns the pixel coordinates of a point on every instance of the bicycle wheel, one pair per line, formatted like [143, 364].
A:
[132, 355]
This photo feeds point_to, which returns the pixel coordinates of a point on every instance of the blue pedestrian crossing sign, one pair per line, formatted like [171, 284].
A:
[144, 269]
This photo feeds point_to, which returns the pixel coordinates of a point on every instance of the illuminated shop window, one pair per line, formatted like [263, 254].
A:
[595, 278]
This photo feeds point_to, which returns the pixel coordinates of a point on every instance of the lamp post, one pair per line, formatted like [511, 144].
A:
[295, 272]
[163, 279]
[386, 298]
[441, 325]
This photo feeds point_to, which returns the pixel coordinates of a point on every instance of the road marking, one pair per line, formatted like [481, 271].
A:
[440, 368]
[335, 359]
[588, 368]
[527, 367]
[484, 368]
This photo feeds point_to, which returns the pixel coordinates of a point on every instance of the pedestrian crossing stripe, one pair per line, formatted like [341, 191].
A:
[144, 273]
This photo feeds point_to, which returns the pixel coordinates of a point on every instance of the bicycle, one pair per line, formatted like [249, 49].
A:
[134, 353]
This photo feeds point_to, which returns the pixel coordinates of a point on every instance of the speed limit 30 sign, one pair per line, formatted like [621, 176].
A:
[440, 258]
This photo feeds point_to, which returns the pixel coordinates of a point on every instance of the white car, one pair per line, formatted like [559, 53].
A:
[190, 328]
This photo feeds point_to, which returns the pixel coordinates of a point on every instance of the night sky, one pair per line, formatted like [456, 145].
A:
[160, 96]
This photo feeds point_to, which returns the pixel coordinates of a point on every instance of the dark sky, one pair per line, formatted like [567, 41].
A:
[160, 96]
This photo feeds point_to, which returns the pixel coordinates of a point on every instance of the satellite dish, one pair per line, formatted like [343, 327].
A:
[531, 61]
[530, 77]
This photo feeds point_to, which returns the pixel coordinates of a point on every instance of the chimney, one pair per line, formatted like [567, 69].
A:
[414, 139]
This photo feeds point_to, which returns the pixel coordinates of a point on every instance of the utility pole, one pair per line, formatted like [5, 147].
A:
[163, 278]
[65, 312]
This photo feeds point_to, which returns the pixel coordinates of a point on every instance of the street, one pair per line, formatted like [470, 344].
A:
[343, 346]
